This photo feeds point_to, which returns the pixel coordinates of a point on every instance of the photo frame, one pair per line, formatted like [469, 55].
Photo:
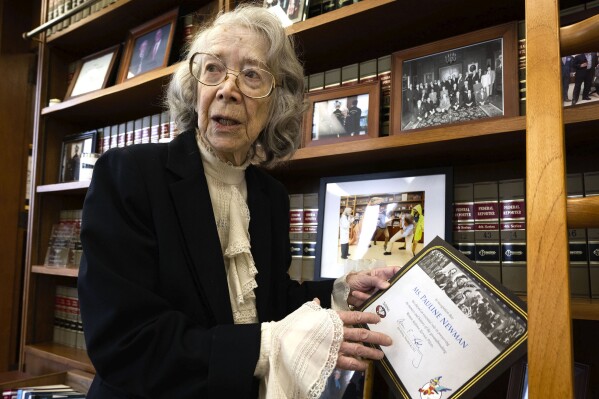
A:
[350, 384]
[93, 72]
[148, 46]
[342, 114]
[425, 194]
[73, 146]
[458, 93]
[288, 11]
[518, 382]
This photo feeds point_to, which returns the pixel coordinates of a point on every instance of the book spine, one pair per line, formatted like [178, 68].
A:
[591, 188]
[72, 315]
[384, 76]
[310, 228]
[512, 226]
[114, 136]
[349, 75]
[130, 133]
[522, 66]
[486, 227]
[367, 71]
[106, 139]
[137, 131]
[463, 219]
[296, 231]
[146, 129]
[155, 128]
[122, 135]
[577, 245]
[165, 124]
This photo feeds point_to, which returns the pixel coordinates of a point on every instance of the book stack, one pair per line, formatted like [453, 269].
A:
[68, 328]
[303, 227]
[64, 245]
[42, 392]
[57, 8]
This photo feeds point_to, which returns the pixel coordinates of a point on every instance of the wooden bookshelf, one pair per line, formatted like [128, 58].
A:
[56, 271]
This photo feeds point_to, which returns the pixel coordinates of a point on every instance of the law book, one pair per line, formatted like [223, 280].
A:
[367, 71]
[146, 129]
[591, 188]
[75, 246]
[57, 253]
[332, 78]
[60, 311]
[463, 219]
[310, 228]
[577, 245]
[173, 129]
[522, 66]
[316, 81]
[165, 124]
[72, 315]
[349, 75]
[296, 231]
[384, 76]
[155, 128]
[512, 228]
[486, 227]
[106, 139]
[137, 131]
[130, 133]
[122, 137]
[114, 136]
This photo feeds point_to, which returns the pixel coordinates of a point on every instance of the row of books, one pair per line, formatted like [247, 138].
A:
[43, 392]
[68, 328]
[157, 128]
[64, 244]
[303, 227]
[56, 8]
[318, 7]
[377, 69]
[489, 227]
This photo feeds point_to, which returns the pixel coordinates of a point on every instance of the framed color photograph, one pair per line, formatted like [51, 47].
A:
[148, 46]
[342, 114]
[457, 80]
[349, 384]
[93, 72]
[380, 219]
[454, 328]
[70, 159]
[288, 11]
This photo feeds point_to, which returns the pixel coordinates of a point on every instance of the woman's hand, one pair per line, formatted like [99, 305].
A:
[353, 351]
[365, 283]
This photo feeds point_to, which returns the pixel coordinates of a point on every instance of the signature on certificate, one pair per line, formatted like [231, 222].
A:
[413, 341]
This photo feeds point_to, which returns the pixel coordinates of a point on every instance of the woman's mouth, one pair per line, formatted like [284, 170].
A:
[225, 121]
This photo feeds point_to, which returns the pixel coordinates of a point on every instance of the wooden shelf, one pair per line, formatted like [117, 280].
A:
[111, 25]
[70, 357]
[76, 379]
[136, 96]
[584, 309]
[56, 271]
[64, 187]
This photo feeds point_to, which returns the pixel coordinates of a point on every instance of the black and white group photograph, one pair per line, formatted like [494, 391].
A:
[500, 325]
[459, 85]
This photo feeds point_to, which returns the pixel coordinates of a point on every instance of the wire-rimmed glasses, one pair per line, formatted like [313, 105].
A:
[210, 70]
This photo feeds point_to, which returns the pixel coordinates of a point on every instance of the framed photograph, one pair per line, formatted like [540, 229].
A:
[288, 11]
[454, 328]
[93, 72]
[580, 78]
[457, 80]
[349, 384]
[148, 46]
[518, 383]
[70, 158]
[342, 114]
[371, 220]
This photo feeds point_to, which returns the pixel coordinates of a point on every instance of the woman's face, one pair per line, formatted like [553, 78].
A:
[229, 121]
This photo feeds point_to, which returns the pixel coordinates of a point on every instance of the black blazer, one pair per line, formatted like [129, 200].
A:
[152, 284]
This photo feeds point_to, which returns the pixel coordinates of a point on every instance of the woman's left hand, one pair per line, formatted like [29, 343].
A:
[365, 283]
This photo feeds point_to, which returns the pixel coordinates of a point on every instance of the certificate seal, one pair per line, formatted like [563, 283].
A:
[433, 389]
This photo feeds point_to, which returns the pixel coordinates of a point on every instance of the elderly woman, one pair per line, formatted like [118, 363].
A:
[183, 288]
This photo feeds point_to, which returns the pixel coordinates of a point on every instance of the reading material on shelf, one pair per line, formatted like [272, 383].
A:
[463, 219]
[68, 328]
[310, 228]
[454, 329]
[591, 188]
[296, 230]
[64, 245]
[577, 245]
[486, 227]
[42, 392]
[512, 230]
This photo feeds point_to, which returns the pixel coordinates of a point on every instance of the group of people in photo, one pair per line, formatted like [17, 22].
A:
[580, 75]
[498, 325]
[340, 118]
[374, 225]
[451, 94]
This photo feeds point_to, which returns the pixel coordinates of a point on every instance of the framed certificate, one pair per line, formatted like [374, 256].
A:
[454, 328]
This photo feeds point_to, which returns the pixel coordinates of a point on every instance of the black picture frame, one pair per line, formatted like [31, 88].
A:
[436, 184]
[70, 156]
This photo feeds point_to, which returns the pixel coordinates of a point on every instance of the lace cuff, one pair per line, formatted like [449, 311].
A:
[302, 353]
[265, 337]
[340, 294]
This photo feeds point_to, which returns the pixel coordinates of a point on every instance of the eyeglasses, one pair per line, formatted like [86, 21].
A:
[209, 70]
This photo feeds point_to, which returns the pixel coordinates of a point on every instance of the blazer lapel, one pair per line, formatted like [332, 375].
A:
[192, 203]
[260, 237]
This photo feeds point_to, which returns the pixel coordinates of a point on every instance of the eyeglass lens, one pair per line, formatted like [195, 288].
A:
[211, 71]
